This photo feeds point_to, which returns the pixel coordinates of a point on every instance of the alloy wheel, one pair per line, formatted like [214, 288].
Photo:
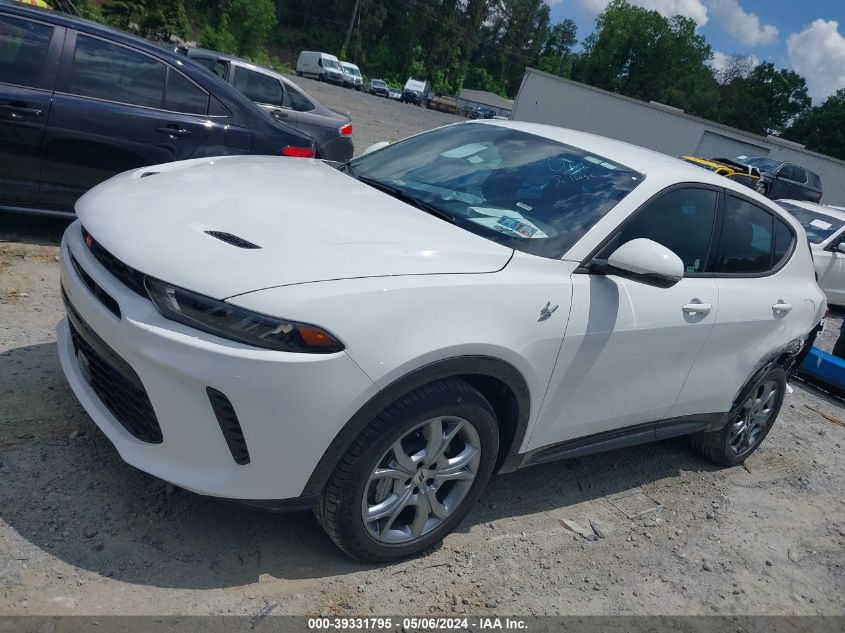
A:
[754, 418]
[421, 480]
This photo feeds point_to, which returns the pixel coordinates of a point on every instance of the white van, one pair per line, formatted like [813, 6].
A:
[320, 66]
[352, 76]
[414, 91]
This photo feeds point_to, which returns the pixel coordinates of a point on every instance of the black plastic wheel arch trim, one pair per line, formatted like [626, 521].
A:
[446, 368]
[293, 504]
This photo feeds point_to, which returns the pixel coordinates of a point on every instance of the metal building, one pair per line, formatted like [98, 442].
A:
[469, 100]
[545, 98]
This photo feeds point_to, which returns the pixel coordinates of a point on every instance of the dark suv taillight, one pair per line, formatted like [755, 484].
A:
[298, 152]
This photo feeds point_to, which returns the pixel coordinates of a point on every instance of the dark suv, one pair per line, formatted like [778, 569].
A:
[781, 180]
[80, 102]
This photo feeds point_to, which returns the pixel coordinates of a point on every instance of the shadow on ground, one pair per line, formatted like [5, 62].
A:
[56, 491]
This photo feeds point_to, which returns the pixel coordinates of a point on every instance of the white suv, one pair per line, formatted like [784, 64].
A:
[374, 341]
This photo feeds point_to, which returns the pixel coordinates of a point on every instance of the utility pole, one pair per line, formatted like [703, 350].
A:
[351, 24]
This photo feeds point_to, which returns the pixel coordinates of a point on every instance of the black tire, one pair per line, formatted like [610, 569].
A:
[717, 447]
[340, 510]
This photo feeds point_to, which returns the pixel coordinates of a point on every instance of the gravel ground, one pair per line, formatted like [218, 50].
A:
[375, 119]
[83, 533]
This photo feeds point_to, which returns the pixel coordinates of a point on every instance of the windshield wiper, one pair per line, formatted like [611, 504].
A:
[404, 196]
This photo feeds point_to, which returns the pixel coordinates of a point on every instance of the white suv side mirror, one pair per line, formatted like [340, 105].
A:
[841, 247]
[375, 147]
[647, 261]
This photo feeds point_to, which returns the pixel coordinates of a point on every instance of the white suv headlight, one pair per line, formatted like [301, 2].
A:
[238, 324]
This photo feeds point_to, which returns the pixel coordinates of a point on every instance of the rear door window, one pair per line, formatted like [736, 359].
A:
[23, 49]
[217, 66]
[107, 71]
[794, 173]
[299, 101]
[747, 242]
[183, 95]
[259, 87]
[783, 242]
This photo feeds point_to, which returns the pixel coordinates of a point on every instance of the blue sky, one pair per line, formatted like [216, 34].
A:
[807, 36]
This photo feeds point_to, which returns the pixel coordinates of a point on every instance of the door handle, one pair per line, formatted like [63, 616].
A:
[781, 306]
[174, 130]
[697, 308]
[280, 113]
[19, 111]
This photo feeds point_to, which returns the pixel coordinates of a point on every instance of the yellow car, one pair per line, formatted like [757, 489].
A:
[743, 174]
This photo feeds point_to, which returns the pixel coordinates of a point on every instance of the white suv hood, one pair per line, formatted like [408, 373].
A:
[312, 222]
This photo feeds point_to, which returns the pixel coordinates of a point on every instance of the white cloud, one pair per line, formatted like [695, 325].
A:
[721, 61]
[694, 9]
[742, 26]
[818, 53]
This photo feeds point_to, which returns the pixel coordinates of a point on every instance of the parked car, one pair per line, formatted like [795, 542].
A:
[352, 76]
[482, 113]
[414, 92]
[784, 180]
[743, 174]
[118, 103]
[479, 298]
[825, 228]
[321, 66]
[330, 129]
[379, 87]
[395, 93]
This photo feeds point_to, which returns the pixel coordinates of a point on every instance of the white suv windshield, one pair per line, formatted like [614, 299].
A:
[818, 226]
[528, 192]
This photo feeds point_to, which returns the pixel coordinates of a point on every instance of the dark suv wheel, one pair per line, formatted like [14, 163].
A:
[413, 474]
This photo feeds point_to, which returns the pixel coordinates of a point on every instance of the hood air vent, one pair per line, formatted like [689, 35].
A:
[234, 240]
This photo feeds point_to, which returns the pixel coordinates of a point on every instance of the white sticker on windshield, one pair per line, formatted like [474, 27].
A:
[464, 150]
[821, 224]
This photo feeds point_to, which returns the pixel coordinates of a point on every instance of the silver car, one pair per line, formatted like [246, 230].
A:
[330, 129]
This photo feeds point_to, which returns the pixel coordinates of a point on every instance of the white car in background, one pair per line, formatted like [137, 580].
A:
[825, 228]
[352, 76]
[375, 339]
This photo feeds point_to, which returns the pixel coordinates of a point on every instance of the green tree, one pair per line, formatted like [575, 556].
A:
[244, 27]
[557, 57]
[822, 128]
[765, 101]
[644, 55]
[153, 19]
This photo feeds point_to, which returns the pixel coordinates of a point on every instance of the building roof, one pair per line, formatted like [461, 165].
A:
[486, 98]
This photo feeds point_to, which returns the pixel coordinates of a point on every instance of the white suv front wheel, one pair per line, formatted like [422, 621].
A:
[413, 474]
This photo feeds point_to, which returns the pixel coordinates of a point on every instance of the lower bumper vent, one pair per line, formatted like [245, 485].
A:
[229, 425]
